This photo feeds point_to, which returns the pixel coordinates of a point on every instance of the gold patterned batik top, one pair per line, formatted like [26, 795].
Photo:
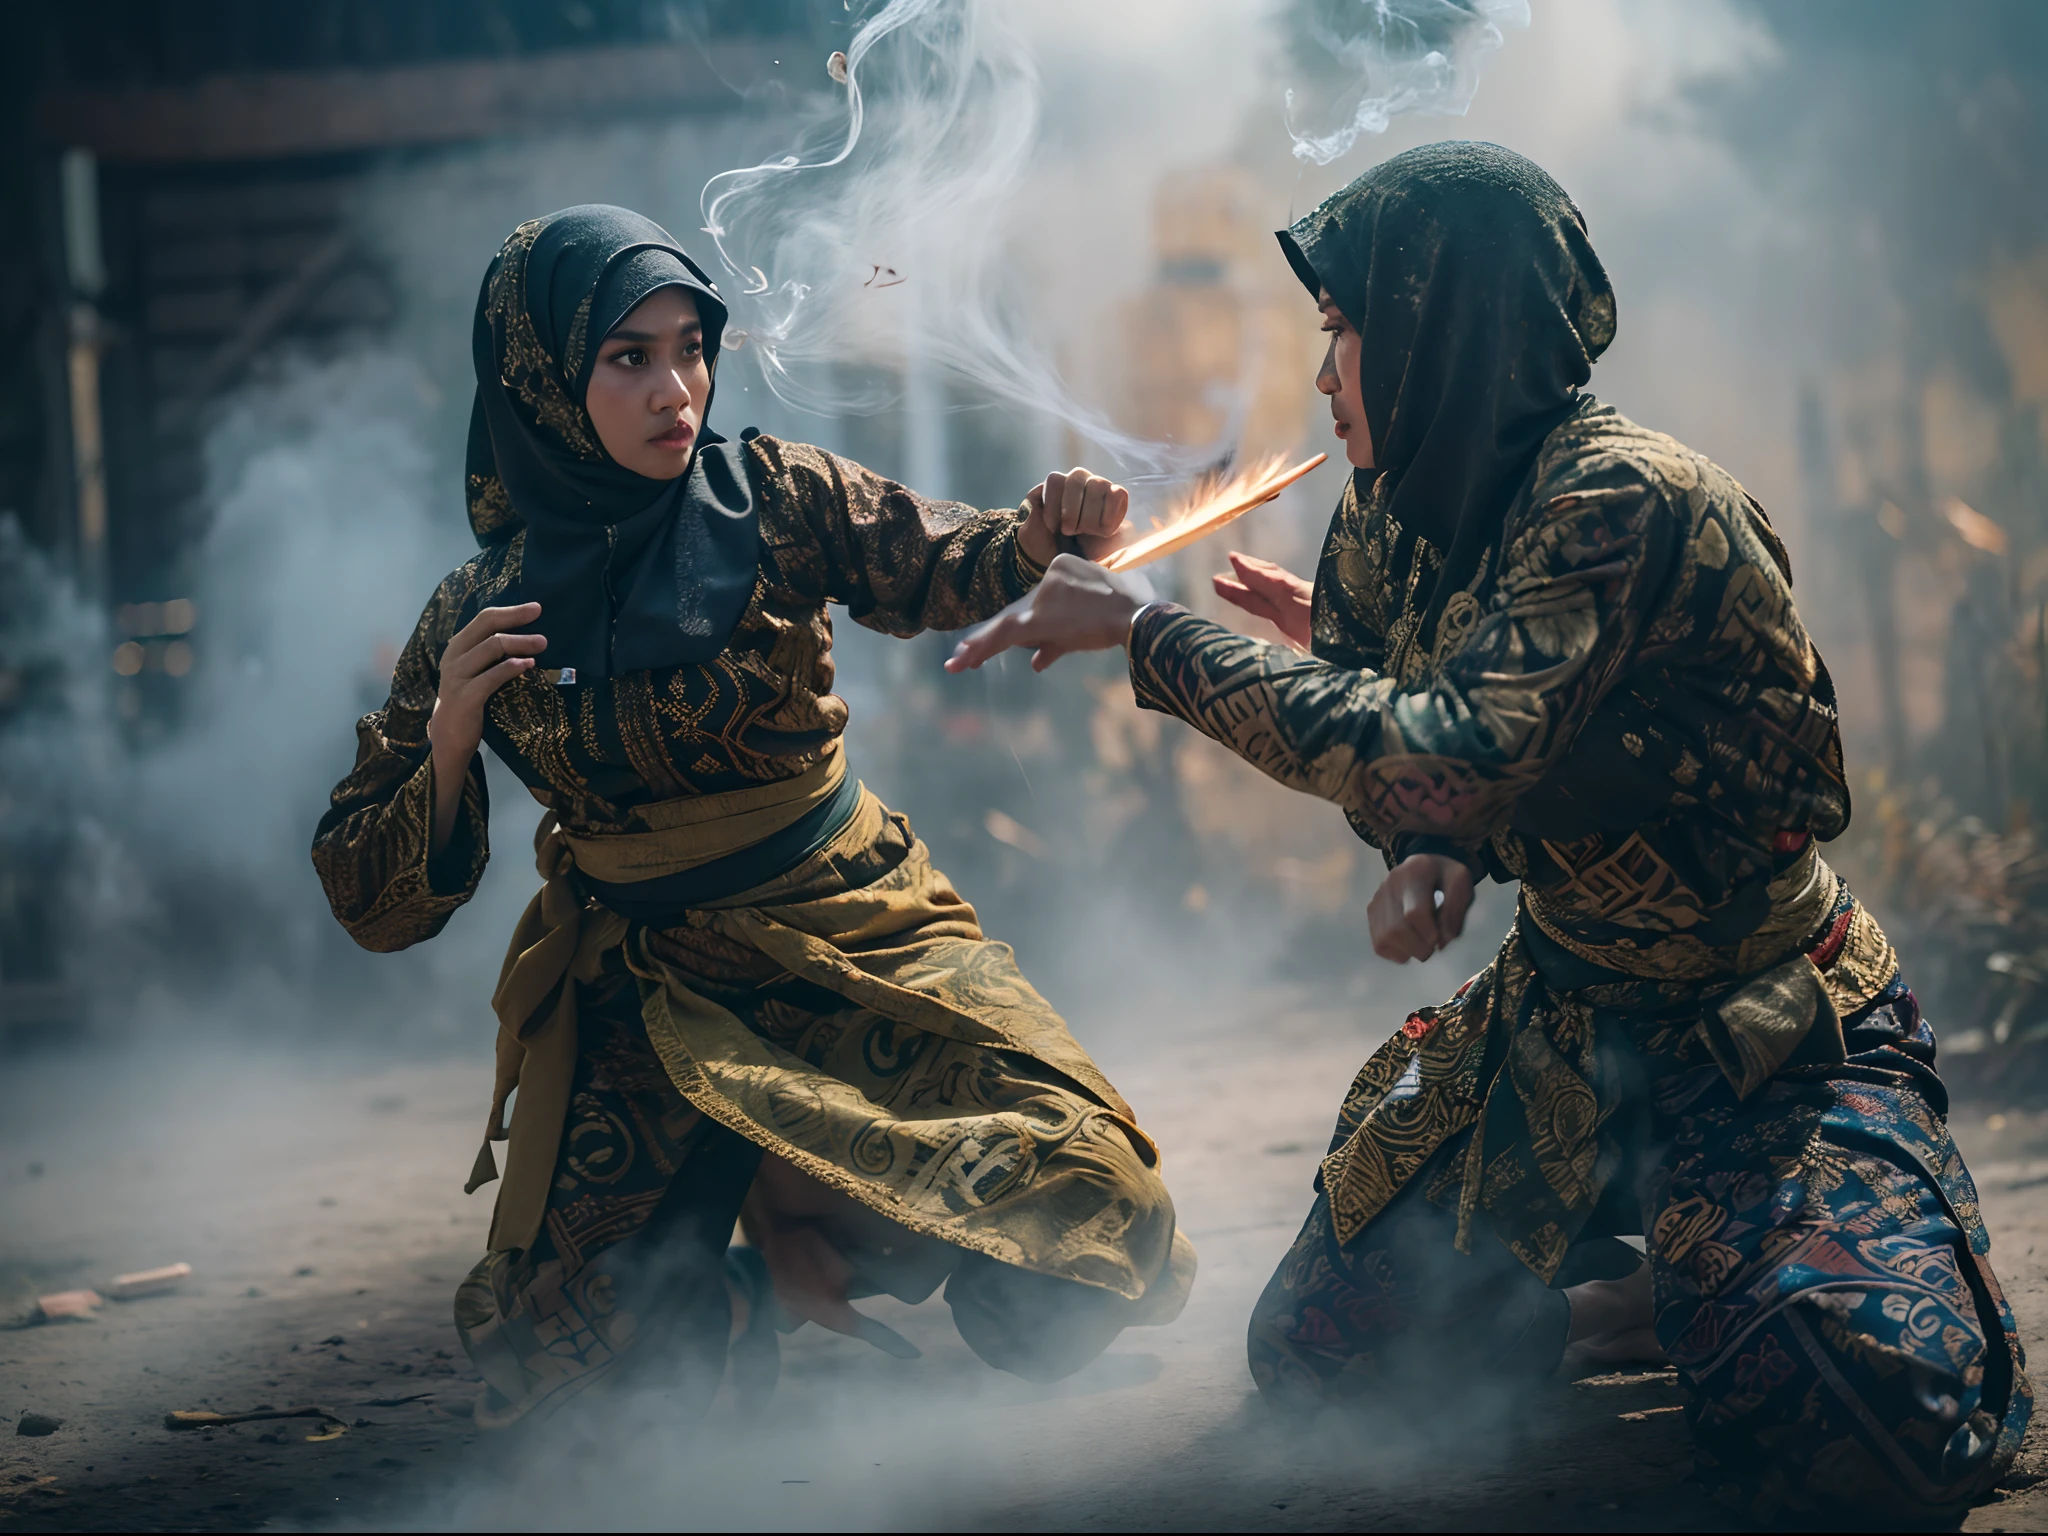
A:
[762, 711]
[1623, 712]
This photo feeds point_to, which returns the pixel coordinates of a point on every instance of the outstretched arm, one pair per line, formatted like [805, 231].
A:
[903, 562]
[1445, 761]
[1579, 576]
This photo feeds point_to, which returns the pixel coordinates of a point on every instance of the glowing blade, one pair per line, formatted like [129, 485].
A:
[1211, 508]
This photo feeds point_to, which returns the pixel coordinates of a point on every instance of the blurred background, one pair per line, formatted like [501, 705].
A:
[235, 298]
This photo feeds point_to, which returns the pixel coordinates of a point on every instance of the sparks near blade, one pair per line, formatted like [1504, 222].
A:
[1210, 508]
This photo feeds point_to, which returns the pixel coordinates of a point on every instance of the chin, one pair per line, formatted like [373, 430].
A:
[667, 467]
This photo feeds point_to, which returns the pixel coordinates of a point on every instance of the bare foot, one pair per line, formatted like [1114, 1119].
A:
[1612, 1321]
[1625, 1346]
[786, 1216]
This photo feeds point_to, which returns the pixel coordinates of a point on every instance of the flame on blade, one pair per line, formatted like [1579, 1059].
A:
[1212, 504]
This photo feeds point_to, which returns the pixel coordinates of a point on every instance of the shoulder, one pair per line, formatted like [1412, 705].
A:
[1630, 477]
[791, 482]
[477, 583]
[1606, 487]
[1601, 449]
[784, 468]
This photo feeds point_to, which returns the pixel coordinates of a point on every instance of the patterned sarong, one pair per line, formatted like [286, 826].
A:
[847, 1017]
[1820, 1272]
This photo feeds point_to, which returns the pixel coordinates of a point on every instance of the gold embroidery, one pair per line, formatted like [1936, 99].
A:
[528, 368]
[1461, 613]
[490, 508]
[1866, 965]
[828, 527]
[633, 703]
[532, 713]
[586, 726]
[579, 338]
[1403, 633]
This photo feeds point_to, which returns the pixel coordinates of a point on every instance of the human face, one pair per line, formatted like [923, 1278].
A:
[649, 384]
[1339, 380]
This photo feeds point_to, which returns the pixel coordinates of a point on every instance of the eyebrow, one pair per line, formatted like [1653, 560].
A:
[643, 336]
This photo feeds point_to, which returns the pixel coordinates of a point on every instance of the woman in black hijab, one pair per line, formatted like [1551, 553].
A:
[1547, 645]
[743, 991]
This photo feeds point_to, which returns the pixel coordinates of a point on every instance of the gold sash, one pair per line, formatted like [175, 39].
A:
[560, 942]
[1800, 897]
[991, 1129]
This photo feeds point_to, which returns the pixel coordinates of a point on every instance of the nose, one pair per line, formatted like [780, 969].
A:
[671, 393]
[1327, 380]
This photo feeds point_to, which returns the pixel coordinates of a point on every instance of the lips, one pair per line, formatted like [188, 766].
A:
[677, 436]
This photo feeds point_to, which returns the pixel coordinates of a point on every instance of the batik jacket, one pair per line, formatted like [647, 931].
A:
[761, 711]
[1623, 710]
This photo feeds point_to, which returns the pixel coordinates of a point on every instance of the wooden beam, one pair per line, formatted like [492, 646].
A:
[309, 112]
[272, 310]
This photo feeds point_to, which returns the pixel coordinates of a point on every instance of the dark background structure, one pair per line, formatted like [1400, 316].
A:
[1916, 138]
[177, 176]
[234, 306]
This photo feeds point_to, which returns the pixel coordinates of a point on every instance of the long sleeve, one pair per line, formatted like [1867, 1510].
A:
[900, 562]
[371, 848]
[1580, 574]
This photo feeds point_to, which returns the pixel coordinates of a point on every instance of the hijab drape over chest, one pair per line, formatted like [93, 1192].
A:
[631, 574]
[1480, 307]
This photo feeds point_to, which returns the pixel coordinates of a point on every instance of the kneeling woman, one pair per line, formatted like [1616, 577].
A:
[1553, 647]
[743, 991]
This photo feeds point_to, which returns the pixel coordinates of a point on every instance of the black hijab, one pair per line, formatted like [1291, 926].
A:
[631, 573]
[1480, 307]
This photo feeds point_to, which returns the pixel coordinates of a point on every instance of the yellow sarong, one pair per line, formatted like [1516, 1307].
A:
[939, 1089]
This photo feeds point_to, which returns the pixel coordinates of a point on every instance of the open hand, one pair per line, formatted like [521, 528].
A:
[1272, 592]
[788, 1217]
[1406, 922]
[1078, 607]
[481, 659]
[1077, 505]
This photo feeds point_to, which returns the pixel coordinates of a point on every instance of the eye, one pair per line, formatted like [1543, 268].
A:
[632, 357]
[693, 349]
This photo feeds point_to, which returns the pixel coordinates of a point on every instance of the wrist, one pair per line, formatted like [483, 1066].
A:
[451, 757]
[1131, 623]
[1411, 845]
[1137, 616]
[1038, 545]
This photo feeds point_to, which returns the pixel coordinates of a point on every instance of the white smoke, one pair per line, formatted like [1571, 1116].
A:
[884, 237]
[887, 235]
[61, 770]
[1406, 57]
[189, 898]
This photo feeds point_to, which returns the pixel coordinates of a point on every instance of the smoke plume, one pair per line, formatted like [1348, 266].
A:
[882, 236]
[1400, 58]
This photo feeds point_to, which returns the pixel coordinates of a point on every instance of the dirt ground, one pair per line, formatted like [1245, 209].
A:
[319, 1201]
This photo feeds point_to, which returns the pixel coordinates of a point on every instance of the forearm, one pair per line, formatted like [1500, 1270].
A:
[900, 561]
[451, 772]
[390, 880]
[1299, 721]
[1397, 763]
[982, 563]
